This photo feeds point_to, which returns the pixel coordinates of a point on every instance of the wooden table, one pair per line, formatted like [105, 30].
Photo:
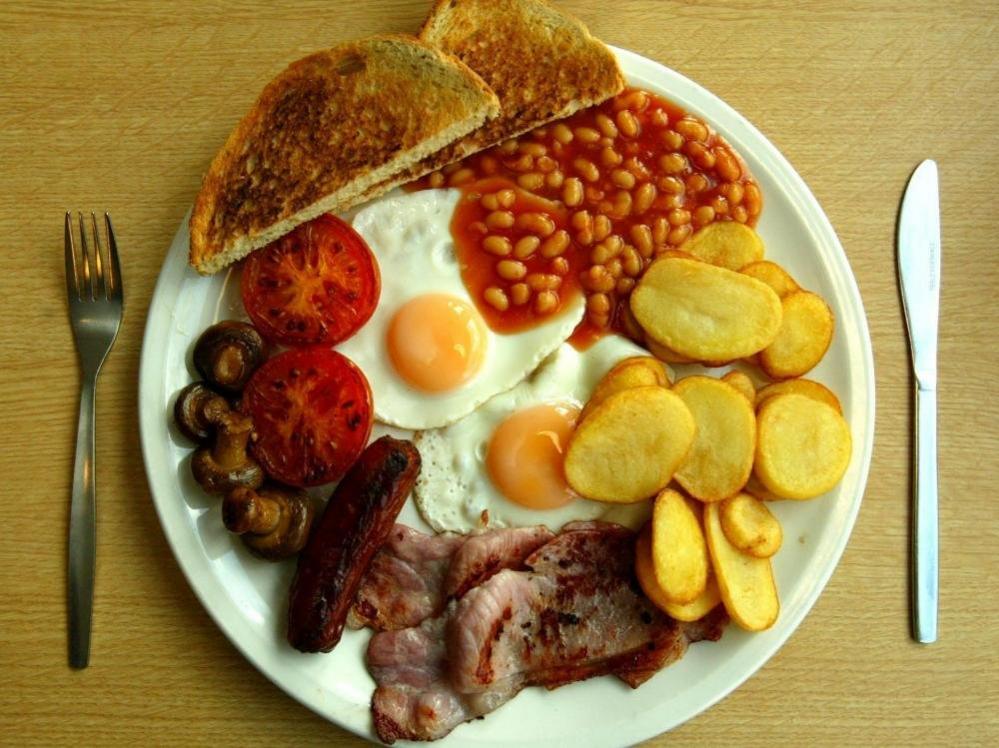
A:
[121, 107]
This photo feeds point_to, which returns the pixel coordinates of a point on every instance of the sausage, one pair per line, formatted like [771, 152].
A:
[354, 525]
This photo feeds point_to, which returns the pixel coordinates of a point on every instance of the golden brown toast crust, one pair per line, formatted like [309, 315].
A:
[542, 63]
[326, 130]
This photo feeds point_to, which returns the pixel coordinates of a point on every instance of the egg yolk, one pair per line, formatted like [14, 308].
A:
[437, 342]
[525, 456]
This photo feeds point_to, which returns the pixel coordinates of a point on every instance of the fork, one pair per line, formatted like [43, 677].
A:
[94, 290]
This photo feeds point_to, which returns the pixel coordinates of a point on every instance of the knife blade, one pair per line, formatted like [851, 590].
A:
[919, 276]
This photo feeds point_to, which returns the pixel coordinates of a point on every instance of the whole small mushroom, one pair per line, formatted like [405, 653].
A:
[225, 464]
[228, 353]
[274, 522]
[189, 411]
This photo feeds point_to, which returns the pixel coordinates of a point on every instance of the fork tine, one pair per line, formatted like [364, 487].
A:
[72, 275]
[100, 274]
[114, 268]
[87, 280]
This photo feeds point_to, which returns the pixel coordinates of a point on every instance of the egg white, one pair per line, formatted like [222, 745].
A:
[410, 237]
[454, 491]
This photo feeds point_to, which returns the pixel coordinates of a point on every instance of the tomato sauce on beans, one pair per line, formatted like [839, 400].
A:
[589, 202]
[513, 250]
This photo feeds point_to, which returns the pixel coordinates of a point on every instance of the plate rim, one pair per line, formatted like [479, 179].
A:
[151, 359]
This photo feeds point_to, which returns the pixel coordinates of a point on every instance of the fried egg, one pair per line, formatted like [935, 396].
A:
[427, 352]
[501, 466]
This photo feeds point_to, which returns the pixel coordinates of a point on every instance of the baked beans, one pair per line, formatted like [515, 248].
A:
[497, 245]
[704, 215]
[601, 194]
[627, 123]
[602, 227]
[572, 192]
[536, 223]
[586, 169]
[543, 281]
[555, 244]
[531, 181]
[525, 247]
[610, 157]
[506, 198]
[511, 269]
[562, 133]
[499, 219]
[606, 125]
[545, 302]
[520, 293]
[641, 235]
[496, 297]
[644, 197]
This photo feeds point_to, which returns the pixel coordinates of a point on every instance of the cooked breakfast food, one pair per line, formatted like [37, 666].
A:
[414, 576]
[570, 611]
[311, 409]
[317, 284]
[427, 350]
[645, 572]
[189, 412]
[745, 582]
[806, 330]
[803, 447]
[806, 387]
[704, 312]
[633, 177]
[514, 311]
[502, 465]
[750, 526]
[227, 353]
[742, 383]
[355, 523]
[637, 371]
[225, 463]
[773, 275]
[721, 456]
[647, 428]
[273, 521]
[559, 67]
[679, 555]
[324, 133]
[728, 244]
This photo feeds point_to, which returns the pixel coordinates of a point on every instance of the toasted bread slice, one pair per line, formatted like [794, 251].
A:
[324, 132]
[543, 64]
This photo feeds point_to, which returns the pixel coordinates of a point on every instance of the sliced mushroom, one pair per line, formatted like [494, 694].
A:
[188, 411]
[226, 464]
[228, 353]
[274, 522]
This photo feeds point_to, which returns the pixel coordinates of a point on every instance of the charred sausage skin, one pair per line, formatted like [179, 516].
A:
[357, 520]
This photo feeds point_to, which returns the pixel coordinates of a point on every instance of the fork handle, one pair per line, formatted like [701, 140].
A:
[924, 552]
[82, 531]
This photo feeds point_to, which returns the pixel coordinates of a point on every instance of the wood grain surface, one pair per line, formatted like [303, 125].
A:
[121, 105]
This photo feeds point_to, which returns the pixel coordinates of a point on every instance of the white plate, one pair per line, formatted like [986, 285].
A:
[247, 597]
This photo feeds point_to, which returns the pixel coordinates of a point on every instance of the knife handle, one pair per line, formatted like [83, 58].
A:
[924, 556]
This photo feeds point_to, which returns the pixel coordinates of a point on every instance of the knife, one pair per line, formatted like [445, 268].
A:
[919, 275]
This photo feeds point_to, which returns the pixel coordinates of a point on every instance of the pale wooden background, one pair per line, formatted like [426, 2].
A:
[121, 105]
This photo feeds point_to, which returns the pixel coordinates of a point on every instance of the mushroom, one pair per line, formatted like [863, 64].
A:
[188, 411]
[225, 464]
[274, 522]
[227, 353]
